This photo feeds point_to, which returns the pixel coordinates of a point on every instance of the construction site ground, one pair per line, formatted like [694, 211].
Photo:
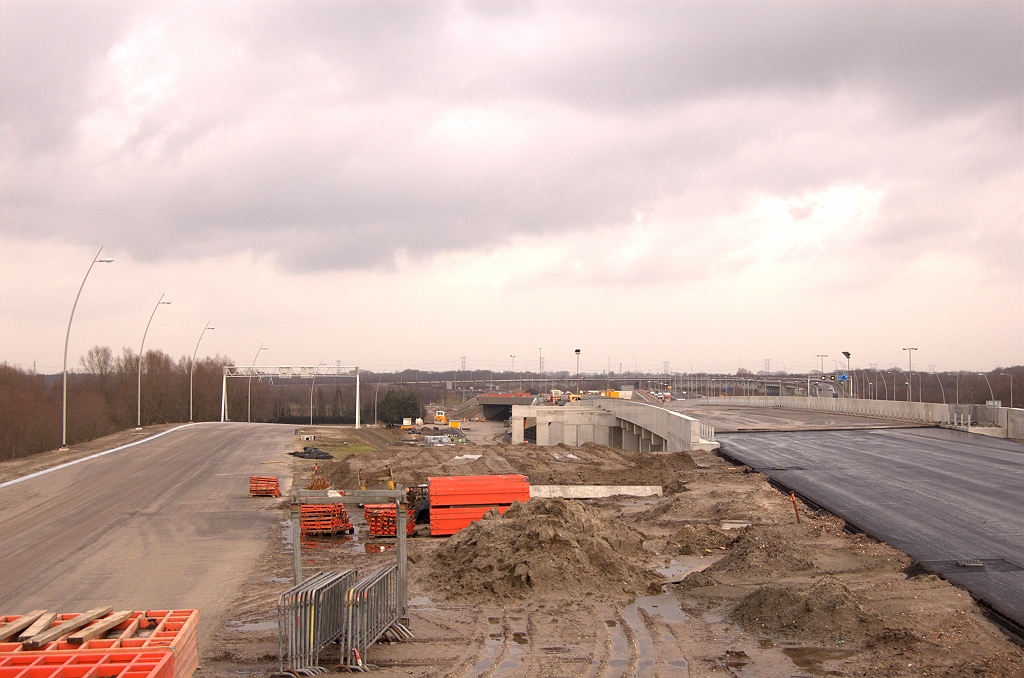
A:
[715, 578]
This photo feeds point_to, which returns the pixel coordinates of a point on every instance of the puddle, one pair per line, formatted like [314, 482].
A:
[492, 650]
[681, 566]
[377, 548]
[519, 638]
[619, 657]
[493, 620]
[254, 626]
[666, 605]
[811, 659]
[644, 642]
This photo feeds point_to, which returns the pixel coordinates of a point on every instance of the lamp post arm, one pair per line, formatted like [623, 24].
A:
[192, 370]
[138, 395]
[67, 337]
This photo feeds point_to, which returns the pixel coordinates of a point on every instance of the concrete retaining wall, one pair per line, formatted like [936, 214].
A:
[594, 491]
[928, 413]
[680, 433]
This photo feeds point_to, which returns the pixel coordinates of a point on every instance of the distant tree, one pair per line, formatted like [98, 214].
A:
[397, 405]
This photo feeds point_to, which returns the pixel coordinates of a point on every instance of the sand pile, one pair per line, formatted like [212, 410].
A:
[826, 613]
[763, 553]
[695, 539]
[550, 548]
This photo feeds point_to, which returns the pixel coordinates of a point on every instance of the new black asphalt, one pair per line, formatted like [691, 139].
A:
[940, 496]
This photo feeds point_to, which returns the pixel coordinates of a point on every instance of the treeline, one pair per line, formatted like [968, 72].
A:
[102, 398]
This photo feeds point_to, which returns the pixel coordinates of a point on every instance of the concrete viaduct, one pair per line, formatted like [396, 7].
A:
[624, 424]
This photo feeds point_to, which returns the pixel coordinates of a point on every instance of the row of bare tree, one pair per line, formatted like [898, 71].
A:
[102, 398]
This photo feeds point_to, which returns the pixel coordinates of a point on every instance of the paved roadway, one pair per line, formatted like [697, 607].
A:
[165, 524]
[938, 495]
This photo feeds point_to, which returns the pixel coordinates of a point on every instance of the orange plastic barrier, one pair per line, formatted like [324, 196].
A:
[264, 486]
[324, 519]
[383, 520]
[493, 490]
[87, 665]
[448, 521]
[457, 501]
[171, 631]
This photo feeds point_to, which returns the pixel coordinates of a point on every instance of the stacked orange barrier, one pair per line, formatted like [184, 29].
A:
[457, 501]
[169, 632]
[324, 519]
[87, 665]
[264, 486]
[383, 520]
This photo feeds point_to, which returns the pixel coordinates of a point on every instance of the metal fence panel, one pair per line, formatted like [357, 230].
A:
[311, 615]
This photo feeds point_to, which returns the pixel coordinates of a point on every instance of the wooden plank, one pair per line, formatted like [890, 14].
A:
[39, 625]
[19, 624]
[61, 630]
[98, 628]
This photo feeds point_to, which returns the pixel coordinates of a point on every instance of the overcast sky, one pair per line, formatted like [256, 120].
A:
[396, 184]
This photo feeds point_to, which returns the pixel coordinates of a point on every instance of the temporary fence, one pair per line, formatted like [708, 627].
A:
[173, 631]
[457, 501]
[374, 610]
[383, 519]
[87, 665]
[309, 616]
[264, 486]
[324, 519]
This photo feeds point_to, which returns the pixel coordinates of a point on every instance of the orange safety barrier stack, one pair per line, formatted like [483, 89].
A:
[264, 486]
[169, 631]
[457, 501]
[383, 520]
[87, 665]
[324, 519]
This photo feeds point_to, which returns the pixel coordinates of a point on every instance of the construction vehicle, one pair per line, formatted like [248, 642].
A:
[573, 397]
[440, 418]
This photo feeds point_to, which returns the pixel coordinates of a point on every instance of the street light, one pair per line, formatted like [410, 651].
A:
[910, 357]
[192, 370]
[138, 400]
[849, 383]
[578, 372]
[311, 385]
[944, 390]
[1004, 374]
[64, 409]
[991, 395]
[248, 406]
[375, 392]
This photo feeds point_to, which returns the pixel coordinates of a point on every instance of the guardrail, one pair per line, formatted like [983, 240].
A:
[707, 432]
[311, 615]
[374, 610]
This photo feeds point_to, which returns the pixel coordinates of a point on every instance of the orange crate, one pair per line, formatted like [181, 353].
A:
[172, 631]
[447, 521]
[87, 665]
[264, 486]
[382, 520]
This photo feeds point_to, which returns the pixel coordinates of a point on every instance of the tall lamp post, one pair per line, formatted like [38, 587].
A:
[578, 372]
[64, 409]
[910, 357]
[311, 385]
[1004, 374]
[941, 388]
[513, 372]
[192, 370]
[248, 407]
[138, 399]
[377, 390]
[849, 382]
[991, 395]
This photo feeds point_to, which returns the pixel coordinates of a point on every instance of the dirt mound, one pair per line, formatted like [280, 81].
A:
[694, 539]
[826, 613]
[548, 548]
[763, 553]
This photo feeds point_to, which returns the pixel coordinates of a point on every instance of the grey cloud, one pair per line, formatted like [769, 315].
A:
[623, 77]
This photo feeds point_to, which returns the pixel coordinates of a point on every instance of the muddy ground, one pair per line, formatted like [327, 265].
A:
[715, 578]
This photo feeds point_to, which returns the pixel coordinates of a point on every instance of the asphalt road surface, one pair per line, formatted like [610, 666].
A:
[165, 524]
[940, 496]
